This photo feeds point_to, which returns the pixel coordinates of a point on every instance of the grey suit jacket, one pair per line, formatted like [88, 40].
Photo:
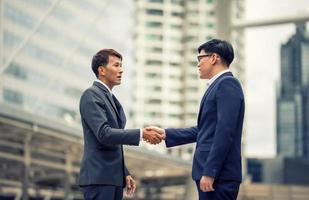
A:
[104, 134]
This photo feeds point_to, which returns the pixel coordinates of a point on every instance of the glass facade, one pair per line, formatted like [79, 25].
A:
[47, 49]
[292, 100]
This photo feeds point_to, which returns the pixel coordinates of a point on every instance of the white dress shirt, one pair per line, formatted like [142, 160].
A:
[210, 81]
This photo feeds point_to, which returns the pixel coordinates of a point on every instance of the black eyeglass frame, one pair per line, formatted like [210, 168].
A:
[199, 57]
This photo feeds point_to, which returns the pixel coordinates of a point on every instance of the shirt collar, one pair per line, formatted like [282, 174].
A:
[210, 81]
[97, 80]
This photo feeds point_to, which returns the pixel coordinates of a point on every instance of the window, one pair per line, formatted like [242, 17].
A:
[177, 90]
[153, 88]
[18, 16]
[176, 26]
[190, 39]
[153, 114]
[154, 12]
[210, 25]
[12, 96]
[154, 50]
[174, 64]
[211, 13]
[154, 37]
[178, 103]
[156, 1]
[177, 14]
[179, 2]
[154, 24]
[10, 39]
[17, 71]
[153, 75]
[192, 89]
[153, 62]
[175, 116]
[193, 24]
[154, 101]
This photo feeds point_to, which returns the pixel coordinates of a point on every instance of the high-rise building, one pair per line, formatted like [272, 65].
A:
[47, 47]
[279, 170]
[167, 88]
[293, 99]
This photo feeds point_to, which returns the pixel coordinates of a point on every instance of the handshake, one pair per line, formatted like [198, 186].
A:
[153, 134]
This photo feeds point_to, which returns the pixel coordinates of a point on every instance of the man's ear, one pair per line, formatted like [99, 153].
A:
[215, 59]
[102, 71]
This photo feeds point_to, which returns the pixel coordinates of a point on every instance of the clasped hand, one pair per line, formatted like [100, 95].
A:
[153, 134]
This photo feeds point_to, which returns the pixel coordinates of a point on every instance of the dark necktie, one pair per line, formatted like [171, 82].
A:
[119, 110]
[113, 101]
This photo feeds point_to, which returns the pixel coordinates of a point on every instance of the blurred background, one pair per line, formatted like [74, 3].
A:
[46, 47]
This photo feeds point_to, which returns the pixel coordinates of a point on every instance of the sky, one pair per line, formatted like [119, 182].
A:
[262, 63]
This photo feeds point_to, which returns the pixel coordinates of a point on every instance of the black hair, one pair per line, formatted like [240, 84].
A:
[223, 48]
[101, 58]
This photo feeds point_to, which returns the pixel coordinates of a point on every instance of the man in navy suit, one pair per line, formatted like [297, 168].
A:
[103, 173]
[217, 158]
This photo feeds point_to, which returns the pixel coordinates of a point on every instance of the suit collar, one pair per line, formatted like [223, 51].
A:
[216, 80]
[215, 77]
[214, 83]
[107, 93]
[102, 86]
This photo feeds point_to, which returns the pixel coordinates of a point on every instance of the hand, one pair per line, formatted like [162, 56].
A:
[206, 184]
[158, 130]
[130, 186]
[151, 136]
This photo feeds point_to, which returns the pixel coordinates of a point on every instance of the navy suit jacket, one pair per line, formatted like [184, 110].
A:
[218, 131]
[103, 125]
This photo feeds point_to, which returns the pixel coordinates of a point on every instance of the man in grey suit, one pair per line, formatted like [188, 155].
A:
[103, 173]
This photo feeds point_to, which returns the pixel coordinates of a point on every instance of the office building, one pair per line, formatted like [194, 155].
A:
[167, 88]
[46, 52]
[279, 170]
[292, 99]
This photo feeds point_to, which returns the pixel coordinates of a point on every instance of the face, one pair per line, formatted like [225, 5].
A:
[112, 73]
[205, 64]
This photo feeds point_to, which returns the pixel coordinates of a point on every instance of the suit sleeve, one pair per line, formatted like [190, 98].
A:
[93, 112]
[229, 99]
[180, 136]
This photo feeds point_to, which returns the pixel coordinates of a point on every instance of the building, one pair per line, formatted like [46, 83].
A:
[47, 49]
[292, 98]
[254, 169]
[45, 52]
[280, 170]
[167, 88]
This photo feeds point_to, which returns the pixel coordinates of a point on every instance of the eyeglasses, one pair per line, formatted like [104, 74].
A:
[199, 57]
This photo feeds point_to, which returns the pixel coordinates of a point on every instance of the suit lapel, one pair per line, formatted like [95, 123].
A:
[111, 101]
[109, 97]
[207, 93]
[122, 116]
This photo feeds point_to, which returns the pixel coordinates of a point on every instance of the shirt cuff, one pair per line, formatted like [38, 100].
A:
[141, 134]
